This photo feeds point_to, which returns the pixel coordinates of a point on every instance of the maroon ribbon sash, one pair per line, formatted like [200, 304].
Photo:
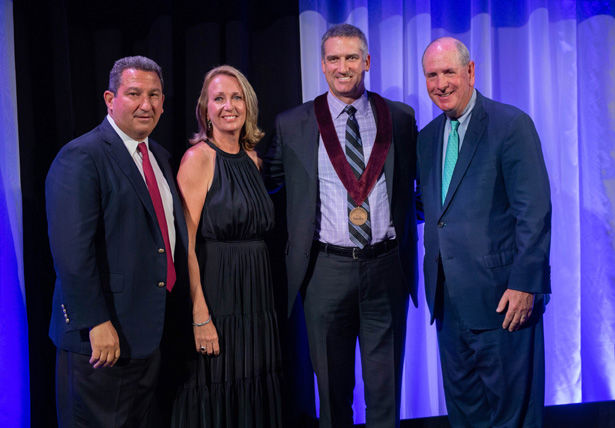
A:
[358, 189]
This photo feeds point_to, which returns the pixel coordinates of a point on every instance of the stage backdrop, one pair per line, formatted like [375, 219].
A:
[14, 375]
[556, 61]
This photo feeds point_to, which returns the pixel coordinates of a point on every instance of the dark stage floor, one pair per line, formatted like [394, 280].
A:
[585, 415]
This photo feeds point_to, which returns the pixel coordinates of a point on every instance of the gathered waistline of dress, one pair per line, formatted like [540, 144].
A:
[239, 241]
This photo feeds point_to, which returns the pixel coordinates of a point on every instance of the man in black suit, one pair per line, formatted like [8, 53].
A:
[117, 236]
[487, 205]
[347, 161]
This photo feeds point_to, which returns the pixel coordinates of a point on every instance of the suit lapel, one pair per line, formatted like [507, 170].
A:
[163, 162]
[307, 143]
[117, 150]
[389, 167]
[436, 149]
[471, 140]
[389, 162]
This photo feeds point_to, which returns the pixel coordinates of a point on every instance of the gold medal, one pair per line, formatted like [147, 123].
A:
[357, 216]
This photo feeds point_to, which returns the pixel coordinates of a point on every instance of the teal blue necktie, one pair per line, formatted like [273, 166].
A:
[452, 153]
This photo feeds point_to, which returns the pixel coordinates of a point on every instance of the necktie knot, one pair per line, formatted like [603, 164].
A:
[454, 125]
[350, 110]
[142, 148]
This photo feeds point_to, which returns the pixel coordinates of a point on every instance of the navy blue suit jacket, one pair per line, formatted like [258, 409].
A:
[105, 241]
[293, 161]
[494, 230]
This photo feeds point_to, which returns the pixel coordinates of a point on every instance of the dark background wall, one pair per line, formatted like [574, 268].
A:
[64, 50]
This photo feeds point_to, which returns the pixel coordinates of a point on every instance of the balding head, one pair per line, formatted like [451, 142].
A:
[449, 75]
[463, 55]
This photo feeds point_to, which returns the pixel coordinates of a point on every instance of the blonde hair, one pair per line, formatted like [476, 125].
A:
[250, 133]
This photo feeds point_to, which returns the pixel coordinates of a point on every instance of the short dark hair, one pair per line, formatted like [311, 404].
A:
[136, 62]
[343, 30]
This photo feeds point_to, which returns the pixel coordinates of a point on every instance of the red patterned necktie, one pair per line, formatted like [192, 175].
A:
[154, 192]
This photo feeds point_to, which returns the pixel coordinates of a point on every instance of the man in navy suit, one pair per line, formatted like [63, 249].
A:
[487, 209]
[347, 161]
[117, 236]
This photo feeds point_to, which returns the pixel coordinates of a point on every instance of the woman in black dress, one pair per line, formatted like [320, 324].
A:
[235, 379]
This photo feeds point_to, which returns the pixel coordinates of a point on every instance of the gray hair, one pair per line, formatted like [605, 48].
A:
[136, 62]
[463, 54]
[344, 30]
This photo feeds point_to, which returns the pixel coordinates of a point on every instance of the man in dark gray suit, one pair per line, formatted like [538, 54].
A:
[487, 207]
[347, 160]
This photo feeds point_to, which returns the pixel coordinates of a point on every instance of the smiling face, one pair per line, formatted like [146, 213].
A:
[449, 82]
[226, 107]
[137, 104]
[344, 66]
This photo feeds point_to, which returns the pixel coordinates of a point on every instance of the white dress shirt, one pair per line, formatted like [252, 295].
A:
[163, 186]
[464, 121]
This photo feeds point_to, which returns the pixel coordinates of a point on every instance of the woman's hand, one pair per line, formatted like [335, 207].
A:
[206, 339]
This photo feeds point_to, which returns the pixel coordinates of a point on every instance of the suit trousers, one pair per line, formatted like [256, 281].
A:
[492, 378]
[106, 397]
[346, 298]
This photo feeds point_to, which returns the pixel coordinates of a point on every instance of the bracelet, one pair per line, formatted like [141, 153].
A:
[200, 324]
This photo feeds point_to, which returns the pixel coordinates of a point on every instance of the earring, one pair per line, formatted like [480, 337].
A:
[209, 125]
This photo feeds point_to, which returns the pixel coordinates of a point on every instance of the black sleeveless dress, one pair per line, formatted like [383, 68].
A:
[240, 387]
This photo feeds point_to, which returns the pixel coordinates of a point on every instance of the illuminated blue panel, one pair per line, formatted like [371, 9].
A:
[14, 374]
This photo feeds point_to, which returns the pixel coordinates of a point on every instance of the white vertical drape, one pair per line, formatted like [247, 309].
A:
[14, 377]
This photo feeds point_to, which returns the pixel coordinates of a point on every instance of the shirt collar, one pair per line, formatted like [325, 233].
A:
[337, 106]
[467, 112]
[130, 143]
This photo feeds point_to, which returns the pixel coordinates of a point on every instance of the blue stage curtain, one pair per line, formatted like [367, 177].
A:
[556, 61]
[14, 376]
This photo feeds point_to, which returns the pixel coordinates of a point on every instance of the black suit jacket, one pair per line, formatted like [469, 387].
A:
[494, 230]
[106, 243]
[292, 160]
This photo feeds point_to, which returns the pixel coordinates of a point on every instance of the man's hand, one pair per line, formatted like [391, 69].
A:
[105, 345]
[520, 305]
